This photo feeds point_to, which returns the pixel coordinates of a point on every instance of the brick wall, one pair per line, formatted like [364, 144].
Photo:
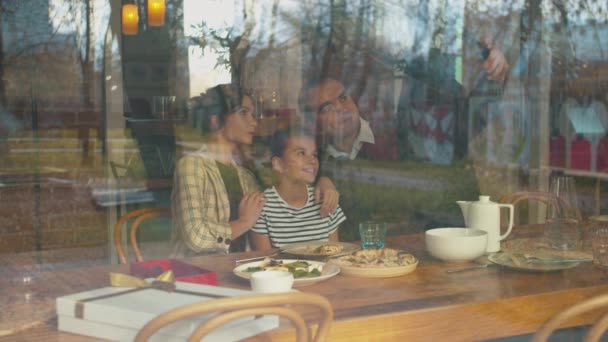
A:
[67, 214]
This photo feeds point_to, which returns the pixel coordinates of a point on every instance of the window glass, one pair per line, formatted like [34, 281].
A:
[414, 105]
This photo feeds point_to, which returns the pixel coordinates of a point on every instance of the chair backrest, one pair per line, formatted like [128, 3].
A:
[231, 308]
[591, 304]
[139, 216]
[546, 198]
[516, 197]
[520, 196]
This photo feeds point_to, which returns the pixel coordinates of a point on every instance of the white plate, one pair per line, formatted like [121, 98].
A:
[307, 248]
[506, 260]
[328, 271]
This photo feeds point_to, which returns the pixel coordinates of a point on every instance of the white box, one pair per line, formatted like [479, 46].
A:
[121, 313]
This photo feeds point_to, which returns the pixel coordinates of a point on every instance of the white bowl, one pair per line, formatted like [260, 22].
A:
[271, 281]
[456, 244]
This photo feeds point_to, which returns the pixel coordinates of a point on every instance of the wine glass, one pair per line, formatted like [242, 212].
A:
[562, 229]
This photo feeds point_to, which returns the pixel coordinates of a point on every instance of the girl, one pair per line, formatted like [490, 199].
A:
[290, 214]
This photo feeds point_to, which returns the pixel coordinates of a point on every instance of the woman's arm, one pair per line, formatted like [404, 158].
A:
[326, 194]
[260, 242]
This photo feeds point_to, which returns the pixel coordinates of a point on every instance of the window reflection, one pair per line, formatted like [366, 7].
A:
[80, 103]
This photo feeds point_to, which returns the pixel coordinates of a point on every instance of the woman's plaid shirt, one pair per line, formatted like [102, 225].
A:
[200, 205]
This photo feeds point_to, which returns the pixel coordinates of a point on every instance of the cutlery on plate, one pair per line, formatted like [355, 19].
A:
[259, 257]
[531, 258]
[481, 262]
[466, 268]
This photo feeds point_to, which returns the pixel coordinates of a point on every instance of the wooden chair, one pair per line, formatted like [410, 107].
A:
[547, 198]
[138, 216]
[515, 198]
[231, 308]
[596, 331]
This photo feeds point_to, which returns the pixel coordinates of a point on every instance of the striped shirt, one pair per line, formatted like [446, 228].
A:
[285, 224]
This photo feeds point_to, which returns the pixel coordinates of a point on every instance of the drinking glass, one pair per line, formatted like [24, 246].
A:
[599, 245]
[372, 234]
[562, 229]
[590, 226]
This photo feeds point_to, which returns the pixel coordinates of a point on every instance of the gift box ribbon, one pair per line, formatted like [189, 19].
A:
[164, 282]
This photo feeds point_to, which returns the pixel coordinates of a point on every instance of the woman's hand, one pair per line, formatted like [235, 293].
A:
[250, 208]
[327, 195]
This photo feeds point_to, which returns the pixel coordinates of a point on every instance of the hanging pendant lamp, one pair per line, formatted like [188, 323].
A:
[130, 19]
[156, 12]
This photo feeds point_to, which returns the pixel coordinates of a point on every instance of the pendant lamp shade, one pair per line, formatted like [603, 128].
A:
[130, 19]
[156, 12]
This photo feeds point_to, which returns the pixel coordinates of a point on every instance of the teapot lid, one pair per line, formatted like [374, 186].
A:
[484, 199]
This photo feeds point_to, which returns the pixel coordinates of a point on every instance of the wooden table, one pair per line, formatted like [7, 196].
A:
[427, 305]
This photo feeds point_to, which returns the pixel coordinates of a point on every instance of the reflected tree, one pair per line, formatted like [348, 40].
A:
[3, 14]
[230, 43]
[45, 37]
[339, 41]
[79, 15]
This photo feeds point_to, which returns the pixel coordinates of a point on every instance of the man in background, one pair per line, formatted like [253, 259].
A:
[344, 134]
[344, 137]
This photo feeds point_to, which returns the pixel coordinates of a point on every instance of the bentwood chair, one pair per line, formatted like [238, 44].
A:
[519, 197]
[232, 308]
[138, 216]
[547, 198]
[592, 304]
[516, 197]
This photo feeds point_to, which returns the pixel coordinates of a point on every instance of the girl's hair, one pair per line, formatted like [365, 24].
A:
[221, 100]
[278, 143]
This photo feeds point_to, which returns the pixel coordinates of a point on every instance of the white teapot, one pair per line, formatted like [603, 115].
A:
[485, 215]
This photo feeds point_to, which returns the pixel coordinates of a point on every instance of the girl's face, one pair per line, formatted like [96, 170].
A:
[299, 162]
[239, 126]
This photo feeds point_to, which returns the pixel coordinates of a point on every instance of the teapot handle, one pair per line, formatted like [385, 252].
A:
[511, 212]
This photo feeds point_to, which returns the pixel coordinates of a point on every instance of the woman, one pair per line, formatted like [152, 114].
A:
[215, 199]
